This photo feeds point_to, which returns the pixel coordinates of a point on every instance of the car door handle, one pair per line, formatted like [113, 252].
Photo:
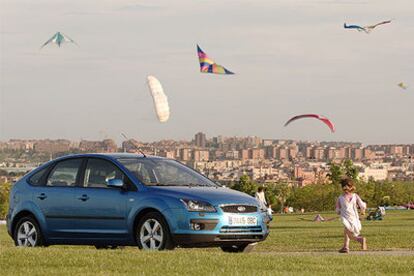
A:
[42, 196]
[83, 197]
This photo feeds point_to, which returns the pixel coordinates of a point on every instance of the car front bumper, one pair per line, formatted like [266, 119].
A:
[214, 229]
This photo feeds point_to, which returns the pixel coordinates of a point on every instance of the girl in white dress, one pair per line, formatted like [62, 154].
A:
[347, 207]
[260, 196]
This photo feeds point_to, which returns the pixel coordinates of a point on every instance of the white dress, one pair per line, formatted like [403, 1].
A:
[348, 210]
[262, 200]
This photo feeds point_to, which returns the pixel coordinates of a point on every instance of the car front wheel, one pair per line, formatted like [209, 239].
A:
[27, 233]
[152, 233]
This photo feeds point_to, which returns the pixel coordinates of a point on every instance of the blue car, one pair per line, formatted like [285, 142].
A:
[111, 200]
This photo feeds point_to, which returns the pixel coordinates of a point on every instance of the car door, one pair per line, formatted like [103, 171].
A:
[55, 198]
[101, 209]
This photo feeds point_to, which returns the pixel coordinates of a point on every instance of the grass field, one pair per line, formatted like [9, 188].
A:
[295, 246]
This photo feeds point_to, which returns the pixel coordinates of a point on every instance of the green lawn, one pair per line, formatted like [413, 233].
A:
[295, 246]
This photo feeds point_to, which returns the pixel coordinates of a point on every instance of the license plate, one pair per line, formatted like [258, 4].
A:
[242, 220]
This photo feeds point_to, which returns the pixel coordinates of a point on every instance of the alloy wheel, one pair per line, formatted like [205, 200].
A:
[151, 234]
[27, 235]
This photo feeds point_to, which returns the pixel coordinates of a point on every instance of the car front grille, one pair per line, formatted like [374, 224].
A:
[241, 229]
[239, 208]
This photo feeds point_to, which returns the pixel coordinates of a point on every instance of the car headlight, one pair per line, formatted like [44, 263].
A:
[198, 206]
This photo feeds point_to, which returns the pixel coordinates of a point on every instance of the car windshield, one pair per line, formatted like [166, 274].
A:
[164, 172]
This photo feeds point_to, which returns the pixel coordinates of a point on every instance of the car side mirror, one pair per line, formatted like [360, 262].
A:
[115, 183]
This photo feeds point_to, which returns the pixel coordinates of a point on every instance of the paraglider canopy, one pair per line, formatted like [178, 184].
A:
[316, 116]
[318, 218]
[162, 109]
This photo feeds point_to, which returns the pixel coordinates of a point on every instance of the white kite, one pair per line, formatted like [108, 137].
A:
[58, 39]
[160, 99]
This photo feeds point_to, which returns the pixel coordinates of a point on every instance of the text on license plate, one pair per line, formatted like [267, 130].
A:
[242, 220]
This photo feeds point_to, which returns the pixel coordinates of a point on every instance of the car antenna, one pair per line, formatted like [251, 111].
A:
[126, 138]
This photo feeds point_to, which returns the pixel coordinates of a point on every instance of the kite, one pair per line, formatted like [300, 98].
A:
[58, 39]
[403, 86]
[372, 27]
[321, 118]
[162, 108]
[209, 66]
[356, 27]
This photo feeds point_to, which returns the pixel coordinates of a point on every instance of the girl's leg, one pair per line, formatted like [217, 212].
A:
[363, 242]
[359, 239]
[345, 248]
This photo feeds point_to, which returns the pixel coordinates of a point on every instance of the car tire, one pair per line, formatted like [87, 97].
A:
[234, 248]
[152, 233]
[27, 233]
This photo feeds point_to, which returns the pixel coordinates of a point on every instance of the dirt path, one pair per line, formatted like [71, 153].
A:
[396, 252]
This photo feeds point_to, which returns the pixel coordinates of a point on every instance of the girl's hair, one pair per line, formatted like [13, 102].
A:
[348, 185]
[260, 189]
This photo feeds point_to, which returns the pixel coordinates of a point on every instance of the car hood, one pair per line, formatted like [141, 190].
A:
[214, 196]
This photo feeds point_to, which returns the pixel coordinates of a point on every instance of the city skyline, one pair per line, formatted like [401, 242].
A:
[228, 158]
[194, 138]
[290, 57]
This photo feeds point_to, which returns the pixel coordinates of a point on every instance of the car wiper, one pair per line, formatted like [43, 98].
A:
[196, 185]
[176, 184]
[155, 184]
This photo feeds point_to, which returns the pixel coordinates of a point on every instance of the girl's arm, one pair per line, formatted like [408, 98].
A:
[362, 205]
[338, 207]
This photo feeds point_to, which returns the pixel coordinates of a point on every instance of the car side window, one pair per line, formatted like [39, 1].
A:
[98, 172]
[37, 179]
[142, 171]
[64, 173]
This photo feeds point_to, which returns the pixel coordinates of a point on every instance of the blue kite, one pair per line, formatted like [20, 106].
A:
[58, 39]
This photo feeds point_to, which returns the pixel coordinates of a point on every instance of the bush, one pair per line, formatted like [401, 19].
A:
[316, 197]
[322, 197]
[386, 193]
[4, 199]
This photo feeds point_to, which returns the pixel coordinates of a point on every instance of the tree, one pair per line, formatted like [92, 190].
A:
[245, 185]
[344, 169]
[335, 173]
[350, 170]
[4, 199]
[282, 191]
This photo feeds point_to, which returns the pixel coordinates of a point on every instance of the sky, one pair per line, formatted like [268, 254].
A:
[289, 56]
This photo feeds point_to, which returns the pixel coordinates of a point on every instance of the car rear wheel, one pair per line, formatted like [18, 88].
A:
[152, 233]
[27, 233]
[234, 248]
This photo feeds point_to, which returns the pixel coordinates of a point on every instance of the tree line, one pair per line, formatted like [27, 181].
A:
[315, 197]
[322, 196]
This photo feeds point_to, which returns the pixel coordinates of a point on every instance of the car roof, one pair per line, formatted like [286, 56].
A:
[117, 155]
